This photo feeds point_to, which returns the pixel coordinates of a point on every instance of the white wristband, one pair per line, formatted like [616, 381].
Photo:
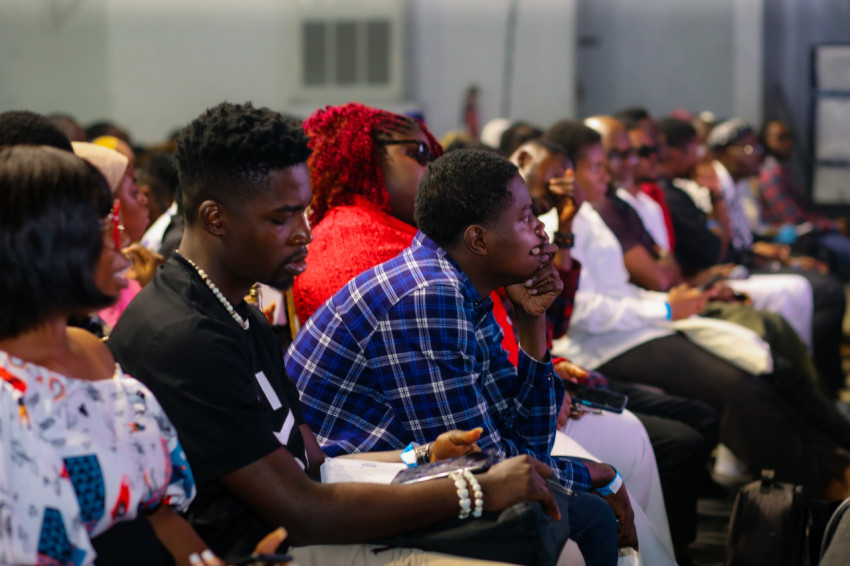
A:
[612, 487]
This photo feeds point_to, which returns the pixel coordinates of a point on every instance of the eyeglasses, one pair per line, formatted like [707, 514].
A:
[423, 152]
[748, 149]
[111, 226]
[646, 151]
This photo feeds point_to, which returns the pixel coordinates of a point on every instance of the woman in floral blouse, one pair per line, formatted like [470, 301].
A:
[83, 447]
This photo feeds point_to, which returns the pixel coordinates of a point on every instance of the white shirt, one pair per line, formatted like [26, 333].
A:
[610, 315]
[152, 238]
[650, 214]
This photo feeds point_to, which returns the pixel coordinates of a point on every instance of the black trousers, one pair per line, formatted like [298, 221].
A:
[777, 421]
[679, 367]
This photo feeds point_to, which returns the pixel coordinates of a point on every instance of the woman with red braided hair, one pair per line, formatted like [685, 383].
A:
[364, 170]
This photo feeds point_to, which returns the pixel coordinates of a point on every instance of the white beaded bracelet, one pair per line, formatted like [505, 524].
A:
[475, 487]
[462, 494]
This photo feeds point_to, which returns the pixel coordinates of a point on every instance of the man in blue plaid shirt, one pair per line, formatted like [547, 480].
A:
[410, 348]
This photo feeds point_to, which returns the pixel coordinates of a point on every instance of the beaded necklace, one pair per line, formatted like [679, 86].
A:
[245, 324]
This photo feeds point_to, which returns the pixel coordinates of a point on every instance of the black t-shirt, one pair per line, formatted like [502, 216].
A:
[697, 247]
[223, 388]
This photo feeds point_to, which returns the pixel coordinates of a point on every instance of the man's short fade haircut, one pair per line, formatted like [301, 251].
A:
[677, 133]
[22, 127]
[231, 149]
[459, 189]
[573, 137]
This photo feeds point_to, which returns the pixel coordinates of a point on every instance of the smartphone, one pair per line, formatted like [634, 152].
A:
[597, 398]
[476, 462]
[710, 283]
[261, 560]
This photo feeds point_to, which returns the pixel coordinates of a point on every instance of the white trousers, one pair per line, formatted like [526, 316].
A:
[621, 440]
[362, 555]
[788, 295]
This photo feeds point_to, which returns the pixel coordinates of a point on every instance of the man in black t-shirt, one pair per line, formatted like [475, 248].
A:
[216, 368]
[178, 338]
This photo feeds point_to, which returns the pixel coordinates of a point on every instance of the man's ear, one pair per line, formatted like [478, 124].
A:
[475, 239]
[213, 217]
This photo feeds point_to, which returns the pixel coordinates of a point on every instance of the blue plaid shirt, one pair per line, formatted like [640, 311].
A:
[409, 350]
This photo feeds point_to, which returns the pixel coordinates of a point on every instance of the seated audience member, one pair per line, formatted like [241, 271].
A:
[517, 134]
[646, 193]
[737, 158]
[25, 127]
[400, 172]
[370, 184]
[424, 350]
[653, 267]
[491, 133]
[106, 128]
[119, 174]
[623, 332]
[783, 201]
[217, 368]
[158, 182]
[682, 431]
[68, 125]
[92, 468]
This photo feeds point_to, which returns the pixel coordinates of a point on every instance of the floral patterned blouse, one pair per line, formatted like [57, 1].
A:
[78, 456]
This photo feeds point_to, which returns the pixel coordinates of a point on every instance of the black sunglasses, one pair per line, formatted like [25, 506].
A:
[423, 152]
[645, 151]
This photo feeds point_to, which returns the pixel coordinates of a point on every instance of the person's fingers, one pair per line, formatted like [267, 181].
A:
[270, 542]
[574, 370]
[472, 436]
[541, 468]
[550, 506]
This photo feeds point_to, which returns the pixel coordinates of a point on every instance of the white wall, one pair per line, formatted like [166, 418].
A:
[53, 57]
[152, 65]
[169, 60]
[458, 43]
[668, 54]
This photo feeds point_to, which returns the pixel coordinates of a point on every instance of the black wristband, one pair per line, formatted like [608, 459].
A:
[564, 241]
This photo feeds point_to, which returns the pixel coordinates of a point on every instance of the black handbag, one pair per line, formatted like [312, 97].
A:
[521, 534]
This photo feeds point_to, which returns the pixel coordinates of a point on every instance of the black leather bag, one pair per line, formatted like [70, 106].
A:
[521, 534]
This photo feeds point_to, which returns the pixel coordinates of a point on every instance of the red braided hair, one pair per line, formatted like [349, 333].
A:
[345, 158]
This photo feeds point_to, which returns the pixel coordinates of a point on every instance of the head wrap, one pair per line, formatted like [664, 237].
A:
[492, 132]
[726, 133]
[109, 162]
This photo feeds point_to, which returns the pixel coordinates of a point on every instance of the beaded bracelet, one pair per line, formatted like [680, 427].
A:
[475, 487]
[462, 494]
[465, 482]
